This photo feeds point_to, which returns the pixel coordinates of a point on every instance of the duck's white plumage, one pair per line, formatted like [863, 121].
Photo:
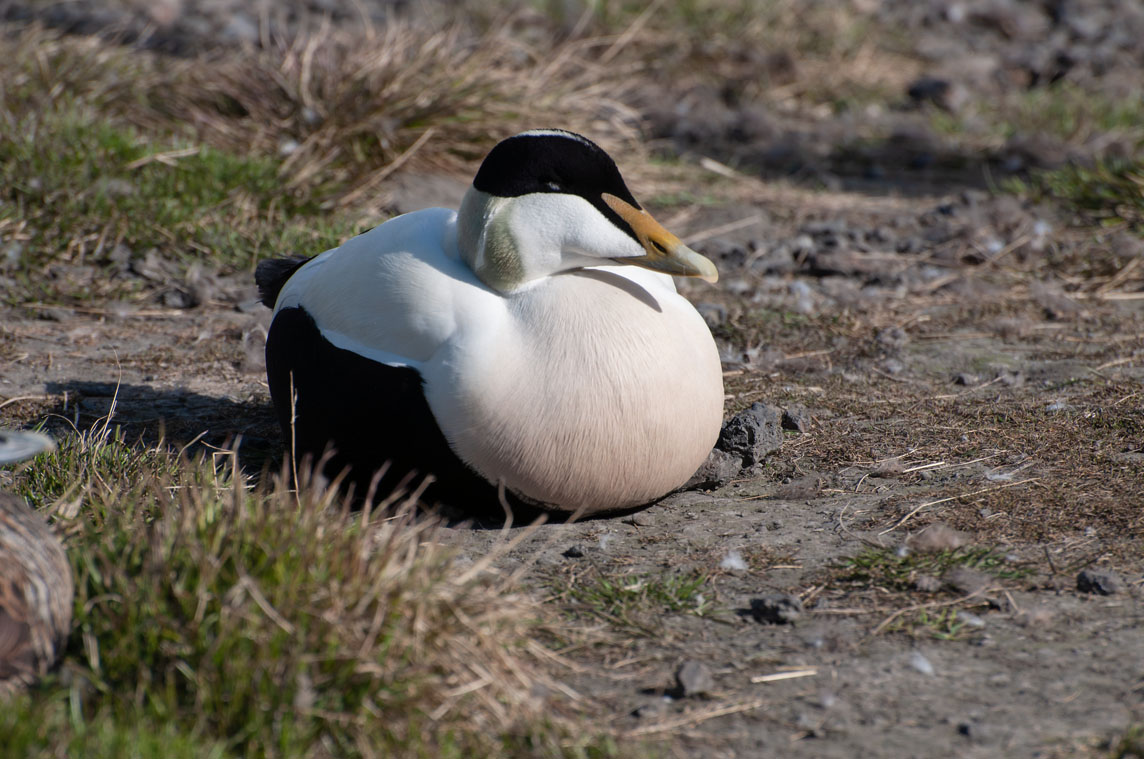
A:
[576, 385]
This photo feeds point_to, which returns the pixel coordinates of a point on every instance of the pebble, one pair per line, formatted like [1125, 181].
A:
[936, 537]
[797, 418]
[927, 584]
[753, 433]
[967, 581]
[921, 663]
[733, 561]
[975, 731]
[650, 710]
[892, 338]
[1101, 583]
[713, 313]
[694, 678]
[777, 608]
[720, 468]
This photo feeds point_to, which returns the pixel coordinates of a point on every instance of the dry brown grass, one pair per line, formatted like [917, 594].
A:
[345, 108]
[278, 622]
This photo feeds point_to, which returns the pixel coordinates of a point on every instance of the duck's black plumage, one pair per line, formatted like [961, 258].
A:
[362, 416]
[273, 273]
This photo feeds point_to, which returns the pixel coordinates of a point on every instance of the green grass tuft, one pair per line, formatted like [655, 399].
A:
[1109, 193]
[76, 185]
[633, 600]
[885, 568]
[214, 620]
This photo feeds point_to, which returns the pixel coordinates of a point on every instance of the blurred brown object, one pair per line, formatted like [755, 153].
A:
[36, 587]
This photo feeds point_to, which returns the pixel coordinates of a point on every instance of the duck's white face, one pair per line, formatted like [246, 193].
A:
[548, 201]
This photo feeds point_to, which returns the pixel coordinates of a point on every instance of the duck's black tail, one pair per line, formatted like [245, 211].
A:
[273, 273]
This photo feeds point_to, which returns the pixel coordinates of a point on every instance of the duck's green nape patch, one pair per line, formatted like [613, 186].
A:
[81, 196]
[216, 620]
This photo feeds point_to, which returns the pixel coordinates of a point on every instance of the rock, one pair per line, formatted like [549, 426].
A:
[713, 313]
[240, 28]
[733, 561]
[1036, 616]
[796, 418]
[975, 731]
[753, 433]
[927, 584]
[694, 678]
[1011, 377]
[936, 537]
[776, 609]
[1099, 582]
[650, 710]
[720, 468]
[921, 664]
[944, 94]
[178, 297]
[892, 339]
[967, 581]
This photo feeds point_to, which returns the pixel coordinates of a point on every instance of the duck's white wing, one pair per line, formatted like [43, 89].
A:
[394, 294]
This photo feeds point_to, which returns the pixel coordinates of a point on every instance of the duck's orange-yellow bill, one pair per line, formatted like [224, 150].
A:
[665, 252]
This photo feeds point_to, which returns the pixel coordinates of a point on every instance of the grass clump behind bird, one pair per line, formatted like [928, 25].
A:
[215, 620]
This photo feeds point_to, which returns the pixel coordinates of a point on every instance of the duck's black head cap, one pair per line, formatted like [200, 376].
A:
[553, 160]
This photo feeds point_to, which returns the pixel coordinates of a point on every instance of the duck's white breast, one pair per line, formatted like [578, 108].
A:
[599, 389]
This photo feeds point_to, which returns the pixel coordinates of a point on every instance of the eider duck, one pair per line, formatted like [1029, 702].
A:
[530, 345]
[36, 587]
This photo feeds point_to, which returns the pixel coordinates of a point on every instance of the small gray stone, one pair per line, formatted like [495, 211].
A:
[240, 28]
[1099, 582]
[921, 663]
[1011, 377]
[976, 731]
[11, 253]
[720, 468]
[892, 339]
[650, 710]
[753, 433]
[927, 584]
[797, 418]
[178, 297]
[968, 581]
[777, 608]
[694, 678]
[936, 537]
[713, 313]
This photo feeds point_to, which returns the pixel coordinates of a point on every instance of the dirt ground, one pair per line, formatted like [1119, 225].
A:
[951, 371]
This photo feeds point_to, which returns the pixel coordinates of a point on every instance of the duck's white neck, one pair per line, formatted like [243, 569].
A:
[509, 242]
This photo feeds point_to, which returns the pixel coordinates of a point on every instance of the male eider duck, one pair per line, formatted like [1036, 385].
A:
[36, 587]
[531, 343]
